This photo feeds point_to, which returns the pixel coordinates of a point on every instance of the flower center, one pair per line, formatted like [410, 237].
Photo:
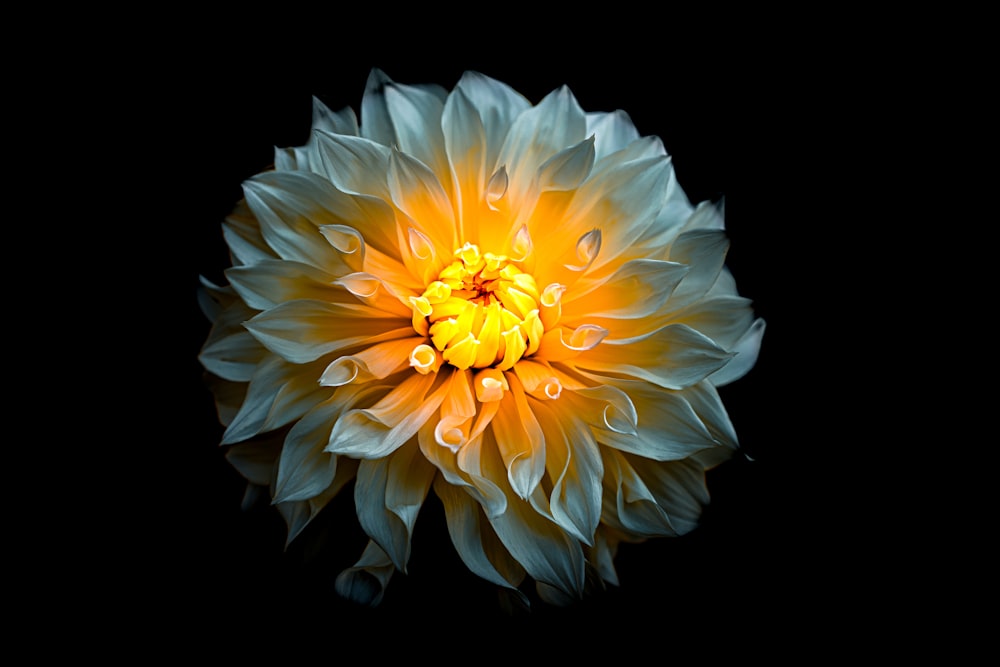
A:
[482, 311]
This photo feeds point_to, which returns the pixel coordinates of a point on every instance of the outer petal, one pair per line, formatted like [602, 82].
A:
[278, 393]
[667, 428]
[520, 440]
[300, 513]
[304, 469]
[498, 106]
[415, 113]
[612, 131]
[272, 281]
[638, 288]
[241, 231]
[536, 135]
[673, 357]
[474, 539]
[291, 206]
[746, 350]
[388, 494]
[574, 466]
[629, 506]
[366, 580]
[304, 330]
[678, 487]
[378, 431]
[230, 351]
[545, 550]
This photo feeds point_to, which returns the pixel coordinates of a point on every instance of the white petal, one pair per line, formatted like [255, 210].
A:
[354, 165]
[339, 122]
[416, 118]
[672, 357]
[230, 351]
[498, 106]
[304, 330]
[520, 440]
[388, 495]
[746, 350]
[476, 544]
[568, 168]
[705, 252]
[376, 124]
[636, 289]
[418, 193]
[273, 281]
[304, 469]
[575, 468]
[378, 431]
[290, 206]
[667, 426]
[365, 582]
[612, 131]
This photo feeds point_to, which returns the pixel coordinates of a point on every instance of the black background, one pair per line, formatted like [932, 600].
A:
[780, 543]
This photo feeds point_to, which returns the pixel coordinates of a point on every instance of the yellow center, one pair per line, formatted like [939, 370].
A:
[482, 311]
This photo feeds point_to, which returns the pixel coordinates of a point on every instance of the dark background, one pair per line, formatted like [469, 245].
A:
[780, 543]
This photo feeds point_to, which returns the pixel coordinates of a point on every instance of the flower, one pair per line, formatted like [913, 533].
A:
[513, 306]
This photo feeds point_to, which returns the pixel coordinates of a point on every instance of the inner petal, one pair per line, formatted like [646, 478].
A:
[481, 310]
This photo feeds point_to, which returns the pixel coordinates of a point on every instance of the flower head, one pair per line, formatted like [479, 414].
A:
[513, 306]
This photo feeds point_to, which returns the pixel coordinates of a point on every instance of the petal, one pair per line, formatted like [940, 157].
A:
[476, 543]
[270, 282]
[465, 474]
[416, 113]
[612, 131]
[629, 505]
[388, 494]
[365, 582]
[536, 135]
[746, 350]
[261, 408]
[545, 550]
[376, 124]
[241, 231]
[498, 106]
[568, 168]
[418, 193]
[705, 252]
[229, 350]
[290, 206]
[678, 487]
[354, 165]
[667, 425]
[304, 330]
[520, 439]
[375, 362]
[636, 289]
[255, 460]
[465, 140]
[724, 318]
[574, 465]
[305, 470]
[377, 431]
[626, 198]
[673, 357]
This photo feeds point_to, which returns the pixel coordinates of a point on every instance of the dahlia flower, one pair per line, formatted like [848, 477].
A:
[513, 306]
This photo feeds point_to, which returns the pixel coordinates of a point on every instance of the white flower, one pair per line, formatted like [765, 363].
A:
[512, 306]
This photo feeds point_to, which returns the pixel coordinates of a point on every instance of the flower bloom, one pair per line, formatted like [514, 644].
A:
[511, 305]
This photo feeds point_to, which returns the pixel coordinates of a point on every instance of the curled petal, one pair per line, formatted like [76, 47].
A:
[556, 347]
[366, 580]
[497, 187]
[491, 384]
[425, 359]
